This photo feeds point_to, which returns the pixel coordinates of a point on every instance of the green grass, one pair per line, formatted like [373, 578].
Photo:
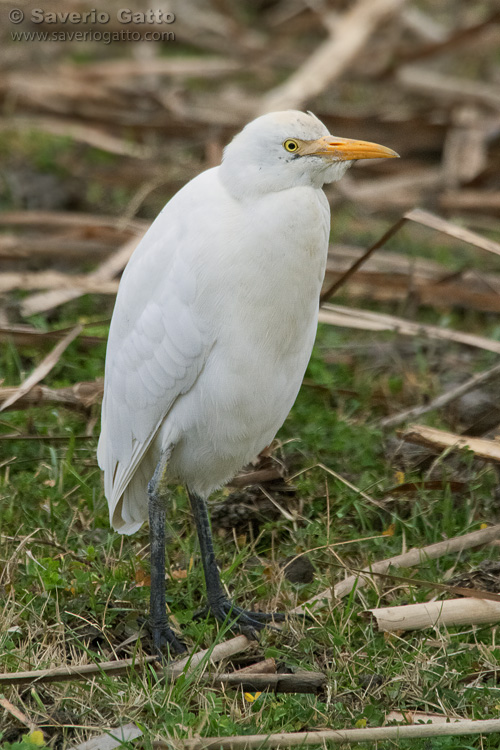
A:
[72, 587]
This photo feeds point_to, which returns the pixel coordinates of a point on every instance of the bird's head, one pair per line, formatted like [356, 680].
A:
[281, 150]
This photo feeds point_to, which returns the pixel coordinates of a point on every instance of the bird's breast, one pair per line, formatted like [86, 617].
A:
[257, 288]
[270, 272]
[278, 269]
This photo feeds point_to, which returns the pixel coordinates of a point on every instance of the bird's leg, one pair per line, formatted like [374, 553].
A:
[219, 604]
[164, 639]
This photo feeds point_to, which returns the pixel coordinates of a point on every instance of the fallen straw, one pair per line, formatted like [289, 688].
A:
[67, 673]
[335, 737]
[409, 559]
[433, 614]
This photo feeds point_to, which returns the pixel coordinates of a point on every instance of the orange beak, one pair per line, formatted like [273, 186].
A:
[346, 149]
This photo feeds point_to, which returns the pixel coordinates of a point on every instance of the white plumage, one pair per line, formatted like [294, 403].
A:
[212, 331]
[216, 316]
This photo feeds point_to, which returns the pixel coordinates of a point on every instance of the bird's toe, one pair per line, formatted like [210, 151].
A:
[166, 643]
[266, 617]
[243, 621]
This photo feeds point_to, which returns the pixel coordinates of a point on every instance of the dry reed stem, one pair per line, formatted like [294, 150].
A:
[408, 560]
[439, 440]
[43, 369]
[334, 737]
[443, 399]
[435, 614]
[365, 320]
[349, 33]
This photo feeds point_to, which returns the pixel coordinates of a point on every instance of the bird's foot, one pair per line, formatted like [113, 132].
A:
[242, 620]
[165, 642]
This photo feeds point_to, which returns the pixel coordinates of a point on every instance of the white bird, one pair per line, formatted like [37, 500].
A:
[212, 330]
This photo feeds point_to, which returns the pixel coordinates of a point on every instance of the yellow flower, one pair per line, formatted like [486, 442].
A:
[35, 738]
[360, 724]
[252, 697]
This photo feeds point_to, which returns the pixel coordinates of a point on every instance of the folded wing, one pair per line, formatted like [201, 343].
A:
[156, 350]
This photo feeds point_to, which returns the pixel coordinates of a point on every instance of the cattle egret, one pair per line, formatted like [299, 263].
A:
[211, 334]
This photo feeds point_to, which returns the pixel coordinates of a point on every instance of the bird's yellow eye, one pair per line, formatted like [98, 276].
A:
[290, 145]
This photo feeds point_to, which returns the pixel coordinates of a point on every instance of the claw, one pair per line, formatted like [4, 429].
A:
[246, 622]
[165, 642]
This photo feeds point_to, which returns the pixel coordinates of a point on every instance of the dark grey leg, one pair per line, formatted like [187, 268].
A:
[164, 639]
[221, 607]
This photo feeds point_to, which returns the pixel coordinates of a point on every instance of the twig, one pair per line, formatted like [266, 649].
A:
[351, 486]
[80, 395]
[43, 369]
[408, 560]
[473, 593]
[249, 478]
[75, 130]
[452, 230]
[16, 713]
[366, 320]
[443, 399]
[424, 218]
[26, 335]
[268, 666]
[438, 440]
[60, 245]
[335, 737]
[68, 673]
[458, 38]
[122, 666]
[300, 682]
[388, 277]
[348, 36]
[417, 717]
[433, 614]
[44, 301]
[330, 291]
[218, 652]
[423, 26]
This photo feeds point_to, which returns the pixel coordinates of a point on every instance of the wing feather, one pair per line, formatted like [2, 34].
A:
[157, 348]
